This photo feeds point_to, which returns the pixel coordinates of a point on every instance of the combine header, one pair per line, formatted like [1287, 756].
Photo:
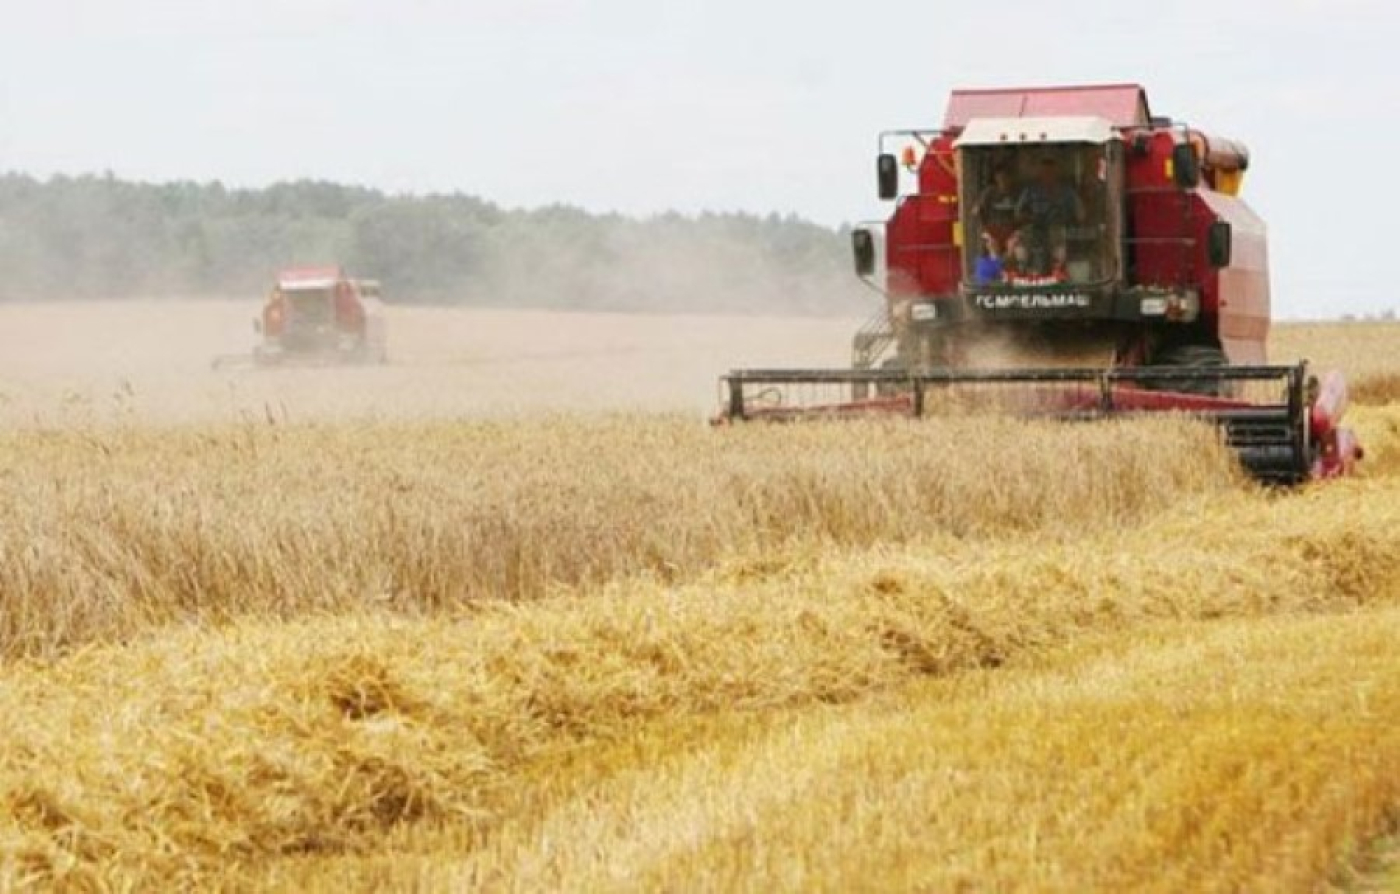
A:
[1285, 430]
[1063, 253]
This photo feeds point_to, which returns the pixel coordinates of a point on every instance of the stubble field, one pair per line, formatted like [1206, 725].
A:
[505, 615]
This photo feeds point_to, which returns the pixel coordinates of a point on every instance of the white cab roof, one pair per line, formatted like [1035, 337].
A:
[1031, 131]
[306, 285]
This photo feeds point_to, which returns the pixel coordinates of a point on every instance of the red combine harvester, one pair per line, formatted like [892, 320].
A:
[320, 315]
[1061, 252]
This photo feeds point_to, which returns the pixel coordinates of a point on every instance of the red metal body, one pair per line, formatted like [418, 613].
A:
[1123, 105]
[349, 311]
[1165, 244]
[1339, 450]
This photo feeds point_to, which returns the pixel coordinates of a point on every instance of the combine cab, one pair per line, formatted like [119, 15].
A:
[319, 315]
[1063, 252]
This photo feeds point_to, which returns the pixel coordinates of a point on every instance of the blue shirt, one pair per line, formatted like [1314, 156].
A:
[988, 270]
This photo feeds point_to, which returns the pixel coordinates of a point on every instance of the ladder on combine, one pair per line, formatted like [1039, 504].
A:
[871, 340]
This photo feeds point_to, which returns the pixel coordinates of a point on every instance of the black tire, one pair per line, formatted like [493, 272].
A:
[1191, 356]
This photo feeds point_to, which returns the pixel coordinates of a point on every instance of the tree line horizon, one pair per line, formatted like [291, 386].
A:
[101, 237]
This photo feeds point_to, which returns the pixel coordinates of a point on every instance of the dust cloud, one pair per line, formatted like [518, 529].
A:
[68, 363]
[672, 264]
[1037, 348]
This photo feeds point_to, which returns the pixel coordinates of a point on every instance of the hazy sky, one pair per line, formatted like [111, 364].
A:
[645, 105]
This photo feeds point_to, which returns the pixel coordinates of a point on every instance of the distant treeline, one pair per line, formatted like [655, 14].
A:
[98, 237]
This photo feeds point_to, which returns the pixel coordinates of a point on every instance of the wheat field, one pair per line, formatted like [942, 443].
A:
[481, 622]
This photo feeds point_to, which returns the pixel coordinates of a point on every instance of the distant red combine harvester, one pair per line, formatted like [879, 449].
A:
[1063, 252]
[319, 315]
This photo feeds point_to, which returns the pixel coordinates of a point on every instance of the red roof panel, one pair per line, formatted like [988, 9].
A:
[1123, 105]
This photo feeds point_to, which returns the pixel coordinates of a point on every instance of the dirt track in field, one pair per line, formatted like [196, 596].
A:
[151, 361]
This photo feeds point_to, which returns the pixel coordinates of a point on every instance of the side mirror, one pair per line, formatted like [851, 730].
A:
[863, 246]
[1186, 170]
[887, 172]
[1219, 241]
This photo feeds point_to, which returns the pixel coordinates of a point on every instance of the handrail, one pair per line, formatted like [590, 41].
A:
[1290, 374]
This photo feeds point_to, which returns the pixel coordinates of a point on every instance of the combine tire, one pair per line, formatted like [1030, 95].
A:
[1192, 356]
